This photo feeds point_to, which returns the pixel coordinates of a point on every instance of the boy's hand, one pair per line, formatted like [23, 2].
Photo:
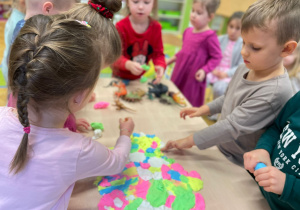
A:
[185, 143]
[191, 112]
[126, 126]
[82, 125]
[200, 75]
[255, 156]
[159, 74]
[134, 67]
[271, 179]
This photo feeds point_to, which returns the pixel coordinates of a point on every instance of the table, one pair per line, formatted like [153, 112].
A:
[226, 185]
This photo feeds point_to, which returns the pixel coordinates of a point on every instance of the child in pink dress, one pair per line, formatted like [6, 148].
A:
[200, 53]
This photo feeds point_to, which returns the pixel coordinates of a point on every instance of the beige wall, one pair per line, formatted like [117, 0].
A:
[228, 7]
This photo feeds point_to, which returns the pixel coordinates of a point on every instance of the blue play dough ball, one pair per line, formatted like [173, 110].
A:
[259, 166]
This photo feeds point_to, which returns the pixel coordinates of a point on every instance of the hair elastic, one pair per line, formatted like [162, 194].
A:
[102, 10]
[27, 129]
[84, 23]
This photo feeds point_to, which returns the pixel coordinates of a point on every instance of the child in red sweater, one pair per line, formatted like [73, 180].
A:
[141, 40]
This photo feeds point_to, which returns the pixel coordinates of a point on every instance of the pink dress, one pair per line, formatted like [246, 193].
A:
[199, 51]
[225, 64]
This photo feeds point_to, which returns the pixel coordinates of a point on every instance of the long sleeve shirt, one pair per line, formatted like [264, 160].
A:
[137, 47]
[247, 109]
[282, 141]
[57, 158]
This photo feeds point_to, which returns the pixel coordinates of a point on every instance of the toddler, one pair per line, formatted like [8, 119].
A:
[200, 53]
[231, 45]
[258, 90]
[54, 66]
[292, 64]
[141, 41]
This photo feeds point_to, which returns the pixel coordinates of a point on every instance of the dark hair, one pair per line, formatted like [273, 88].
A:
[285, 13]
[210, 5]
[107, 33]
[50, 60]
[236, 15]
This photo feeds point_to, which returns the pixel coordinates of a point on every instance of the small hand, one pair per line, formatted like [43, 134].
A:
[159, 74]
[222, 75]
[82, 125]
[255, 156]
[191, 112]
[200, 75]
[271, 179]
[134, 67]
[185, 143]
[126, 126]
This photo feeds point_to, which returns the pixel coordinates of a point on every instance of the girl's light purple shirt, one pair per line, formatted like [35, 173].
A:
[57, 159]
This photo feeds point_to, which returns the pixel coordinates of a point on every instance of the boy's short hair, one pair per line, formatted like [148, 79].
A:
[210, 5]
[286, 13]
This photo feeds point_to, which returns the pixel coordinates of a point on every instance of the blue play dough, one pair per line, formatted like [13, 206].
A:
[137, 164]
[146, 160]
[150, 136]
[150, 150]
[174, 175]
[259, 166]
[134, 146]
[118, 187]
[136, 135]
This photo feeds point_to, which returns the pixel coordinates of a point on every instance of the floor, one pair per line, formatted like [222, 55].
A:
[172, 45]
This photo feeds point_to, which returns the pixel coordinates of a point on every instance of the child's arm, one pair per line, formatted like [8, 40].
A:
[97, 160]
[214, 52]
[171, 60]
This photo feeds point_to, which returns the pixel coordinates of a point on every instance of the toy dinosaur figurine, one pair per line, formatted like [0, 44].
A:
[122, 89]
[157, 89]
[121, 106]
[134, 96]
[176, 97]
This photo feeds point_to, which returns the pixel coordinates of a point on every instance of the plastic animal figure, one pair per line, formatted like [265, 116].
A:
[165, 99]
[176, 97]
[121, 106]
[157, 89]
[122, 89]
[134, 96]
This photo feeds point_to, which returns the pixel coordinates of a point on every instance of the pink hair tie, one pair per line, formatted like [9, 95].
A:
[102, 10]
[26, 129]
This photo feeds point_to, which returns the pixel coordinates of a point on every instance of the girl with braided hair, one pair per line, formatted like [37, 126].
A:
[53, 68]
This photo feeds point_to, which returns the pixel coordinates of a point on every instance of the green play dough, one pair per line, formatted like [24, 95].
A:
[143, 79]
[157, 193]
[134, 205]
[185, 199]
[118, 182]
[96, 125]
[146, 67]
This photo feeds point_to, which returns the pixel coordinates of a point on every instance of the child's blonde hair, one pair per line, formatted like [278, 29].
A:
[60, 4]
[107, 32]
[50, 61]
[154, 9]
[296, 66]
[284, 12]
[210, 5]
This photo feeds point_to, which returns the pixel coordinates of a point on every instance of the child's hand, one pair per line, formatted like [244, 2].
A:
[271, 179]
[134, 67]
[222, 75]
[179, 144]
[126, 126]
[170, 60]
[200, 75]
[255, 156]
[191, 112]
[82, 125]
[159, 74]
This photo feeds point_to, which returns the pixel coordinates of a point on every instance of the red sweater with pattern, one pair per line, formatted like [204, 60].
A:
[138, 47]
